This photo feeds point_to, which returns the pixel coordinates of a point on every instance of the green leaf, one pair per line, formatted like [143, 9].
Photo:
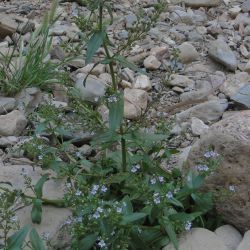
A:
[194, 181]
[184, 217]
[170, 231]
[36, 241]
[116, 111]
[106, 139]
[40, 128]
[126, 64]
[15, 242]
[176, 202]
[117, 178]
[132, 218]
[94, 43]
[39, 186]
[127, 207]
[87, 242]
[36, 212]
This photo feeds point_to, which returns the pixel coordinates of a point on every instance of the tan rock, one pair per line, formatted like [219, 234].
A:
[142, 82]
[135, 103]
[188, 53]
[229, 235]
[12, 124]
[245, 243]
[152, 63]
[199, 239]
[230, 138]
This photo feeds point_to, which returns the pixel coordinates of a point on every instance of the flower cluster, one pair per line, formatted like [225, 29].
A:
[211, 154]
[112, 98]
[135, 168]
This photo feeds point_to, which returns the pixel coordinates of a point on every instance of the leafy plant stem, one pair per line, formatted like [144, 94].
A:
[123, 144]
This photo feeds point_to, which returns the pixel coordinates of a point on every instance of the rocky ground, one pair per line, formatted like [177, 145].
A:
[206, 89]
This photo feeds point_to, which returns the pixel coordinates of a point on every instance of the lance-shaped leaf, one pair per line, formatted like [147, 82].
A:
[94, 43]
[39, 186]
[36, 212]
[15, 242]
[36, 241]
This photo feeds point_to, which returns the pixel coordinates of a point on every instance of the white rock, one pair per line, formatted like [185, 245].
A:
[245, 243]
[188, 53]
[198, 126]
[135, 103]
[142, 82]
[229, 235]
[199, 239]
[12, 124]
[151, 63]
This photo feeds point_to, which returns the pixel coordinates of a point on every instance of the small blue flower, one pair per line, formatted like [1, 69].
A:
[161, 179]
[232, 188]
[153, 181]
[188, 226]
[104, 189]
[201, 168]
[211, 154]
[78, 193]
[156, 198]
[169, 195]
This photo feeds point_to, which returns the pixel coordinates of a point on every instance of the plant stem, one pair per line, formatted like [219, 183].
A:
[124, 156]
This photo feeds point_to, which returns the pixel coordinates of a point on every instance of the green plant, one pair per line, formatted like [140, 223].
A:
[32, 67]
[126, 200]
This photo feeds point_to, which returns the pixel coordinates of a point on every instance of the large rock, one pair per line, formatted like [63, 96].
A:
[7, 104]
[135, 103]
[198, 3]
[222, 53]
[229, 235]
[230, 138]
[242, 97]
[93, 88]
[52, 189]
[199, 239]
[245, 243]
[12, 124]
[209, 111]
[52, 227]
[234, 82]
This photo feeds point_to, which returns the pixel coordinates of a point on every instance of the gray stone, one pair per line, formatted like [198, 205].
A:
[234, 82]
[188, 53]
[209, 111]
[247, 67]
[130, 20]
[229, 137]
[245, 243]
[222, 53]
[199, 239]
[246, 6]
[93, 89]
[29, 99]
[229, 235]
[243, 96]
[202, 3]
[7, 104]
[12, 124]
